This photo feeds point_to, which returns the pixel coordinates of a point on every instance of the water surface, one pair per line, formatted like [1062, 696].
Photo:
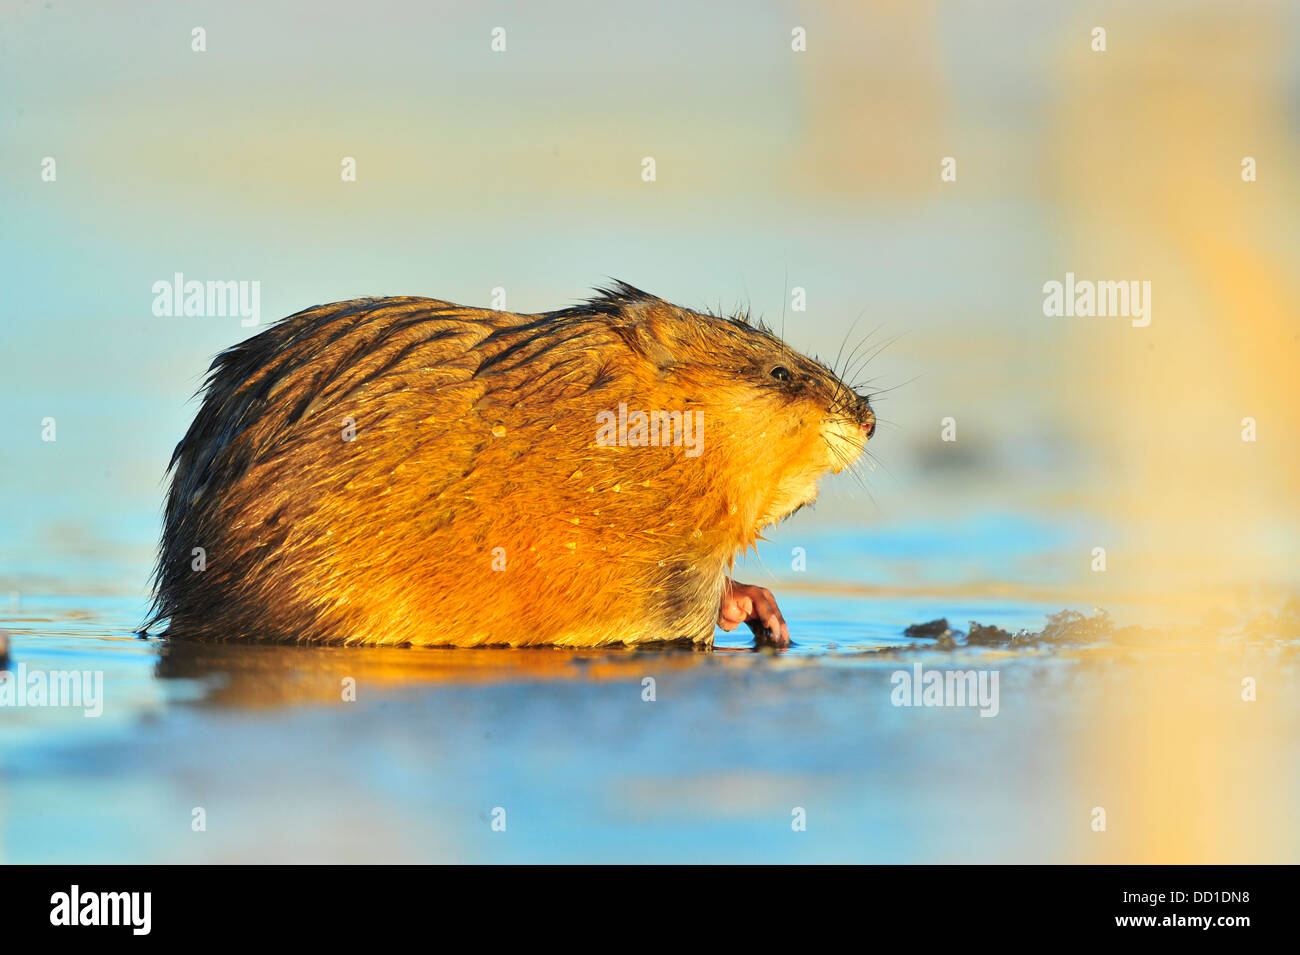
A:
[716, 767]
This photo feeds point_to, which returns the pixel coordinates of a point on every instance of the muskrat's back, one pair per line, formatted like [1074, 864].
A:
[406, 470]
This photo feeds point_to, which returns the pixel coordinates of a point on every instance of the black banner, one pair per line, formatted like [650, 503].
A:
[331, 904]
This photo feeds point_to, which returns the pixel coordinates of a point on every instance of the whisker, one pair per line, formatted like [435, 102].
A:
[849, 361]
[885, 391]
[871, 357]
[844, 341]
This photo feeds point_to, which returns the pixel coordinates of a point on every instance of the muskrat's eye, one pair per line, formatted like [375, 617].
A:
[781, 373]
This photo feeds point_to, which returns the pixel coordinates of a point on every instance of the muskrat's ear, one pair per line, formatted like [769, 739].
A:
[650, 339]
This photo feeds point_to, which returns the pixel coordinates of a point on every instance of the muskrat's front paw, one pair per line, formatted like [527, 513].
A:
[745, 603]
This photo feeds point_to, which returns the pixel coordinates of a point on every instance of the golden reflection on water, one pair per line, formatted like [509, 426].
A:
[1186, 770]
[259, 674]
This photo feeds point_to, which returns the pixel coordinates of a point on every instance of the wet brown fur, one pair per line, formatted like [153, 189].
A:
[476, 430]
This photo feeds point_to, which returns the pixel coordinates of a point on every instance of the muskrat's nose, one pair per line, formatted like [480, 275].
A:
[867, 416]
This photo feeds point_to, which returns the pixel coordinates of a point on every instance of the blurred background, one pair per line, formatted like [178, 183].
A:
[776, 169]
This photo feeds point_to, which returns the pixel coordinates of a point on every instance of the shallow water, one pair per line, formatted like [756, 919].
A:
[716, 767]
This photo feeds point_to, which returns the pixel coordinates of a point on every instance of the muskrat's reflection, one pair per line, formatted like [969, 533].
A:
[256, 674]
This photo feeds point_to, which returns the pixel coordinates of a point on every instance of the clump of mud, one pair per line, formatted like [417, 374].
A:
[1074, 629]
[1067, 628]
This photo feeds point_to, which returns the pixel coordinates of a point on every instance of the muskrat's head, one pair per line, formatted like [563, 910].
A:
[774, 421]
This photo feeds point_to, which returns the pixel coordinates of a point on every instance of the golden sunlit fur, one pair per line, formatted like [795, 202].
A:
[475, 505]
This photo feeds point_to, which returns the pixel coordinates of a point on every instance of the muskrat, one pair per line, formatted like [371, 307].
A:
[409, 471]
